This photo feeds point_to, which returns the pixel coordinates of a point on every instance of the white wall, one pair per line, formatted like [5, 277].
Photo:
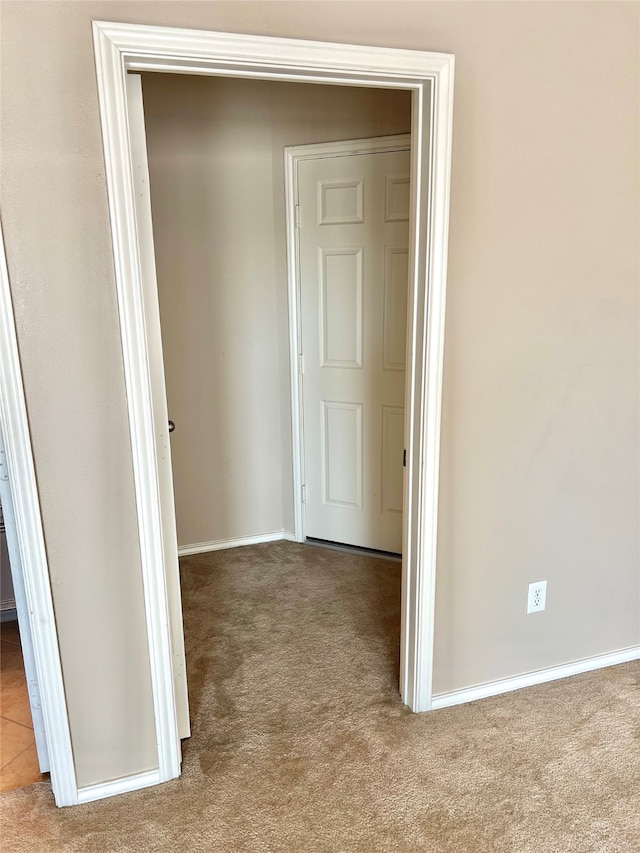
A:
[216, 152]
[542, 370]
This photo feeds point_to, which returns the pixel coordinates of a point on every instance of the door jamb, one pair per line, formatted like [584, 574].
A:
[294, 154]
[123, 47]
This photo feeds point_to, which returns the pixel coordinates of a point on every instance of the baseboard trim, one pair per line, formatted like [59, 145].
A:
[119, 786]
[239, 542]
[9, 613]
[529, 679]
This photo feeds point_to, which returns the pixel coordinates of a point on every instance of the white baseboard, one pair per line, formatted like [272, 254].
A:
[119, 786]
[222, 544]
[8, 613]
[540, 676]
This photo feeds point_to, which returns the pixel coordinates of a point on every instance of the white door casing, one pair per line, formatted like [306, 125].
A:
[120, 48]
[159, 398]
[353, 228]
[22, 609]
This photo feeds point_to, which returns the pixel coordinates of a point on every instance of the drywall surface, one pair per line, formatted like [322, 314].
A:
[540, 468]
[540, 420]
[216, 153]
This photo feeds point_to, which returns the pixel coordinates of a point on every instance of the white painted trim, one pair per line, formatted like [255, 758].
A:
[123, 47]
[14, 426]
[295, 346]
[431, 135]
[114, 113]
[144, 47]
[160, 415]
[8, 612]
[22, 613]
[293, 155]
[119, 786]
[529, 679]
[347, 147]
[239, 542]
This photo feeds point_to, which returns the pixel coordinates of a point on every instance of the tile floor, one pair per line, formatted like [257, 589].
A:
[18, 759]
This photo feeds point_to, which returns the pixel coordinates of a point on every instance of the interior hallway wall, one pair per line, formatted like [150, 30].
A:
[216, 154]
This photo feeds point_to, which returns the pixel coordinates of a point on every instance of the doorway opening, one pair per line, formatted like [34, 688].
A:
[215, 149]
[124, 48]
[231, 333]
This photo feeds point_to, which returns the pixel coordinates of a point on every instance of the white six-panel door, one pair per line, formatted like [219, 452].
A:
[353, 224]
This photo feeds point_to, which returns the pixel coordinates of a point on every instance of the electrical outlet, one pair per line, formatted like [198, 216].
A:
[537, 599]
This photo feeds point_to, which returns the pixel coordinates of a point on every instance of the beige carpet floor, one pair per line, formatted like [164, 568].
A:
[300, 741]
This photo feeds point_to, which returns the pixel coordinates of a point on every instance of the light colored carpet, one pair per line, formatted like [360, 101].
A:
[300, 741]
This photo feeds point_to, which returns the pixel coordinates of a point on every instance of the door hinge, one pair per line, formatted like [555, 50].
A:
[404, 458]
[300, 364]
[304, 494]
[297, 216]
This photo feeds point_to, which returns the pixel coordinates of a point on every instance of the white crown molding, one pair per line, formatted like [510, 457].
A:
[201, 51]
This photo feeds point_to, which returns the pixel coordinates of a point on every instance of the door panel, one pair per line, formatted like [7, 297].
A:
[341, 307]
[353, 250]
[341, 454]
[394, 333]
[392, 450]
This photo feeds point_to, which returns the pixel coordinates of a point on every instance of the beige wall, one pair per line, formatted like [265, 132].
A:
[540, 427]
[217, 183]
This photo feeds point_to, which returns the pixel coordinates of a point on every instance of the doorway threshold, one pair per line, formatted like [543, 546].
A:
[353, 549]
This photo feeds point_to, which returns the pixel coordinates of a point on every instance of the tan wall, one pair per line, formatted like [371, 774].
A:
[216, 151]
[540, 429]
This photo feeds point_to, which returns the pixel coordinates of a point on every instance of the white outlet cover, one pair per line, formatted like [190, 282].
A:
[537, 598]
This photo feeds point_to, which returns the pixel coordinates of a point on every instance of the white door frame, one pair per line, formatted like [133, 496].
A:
[293, 155]
[120, 48]
[21, 609]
